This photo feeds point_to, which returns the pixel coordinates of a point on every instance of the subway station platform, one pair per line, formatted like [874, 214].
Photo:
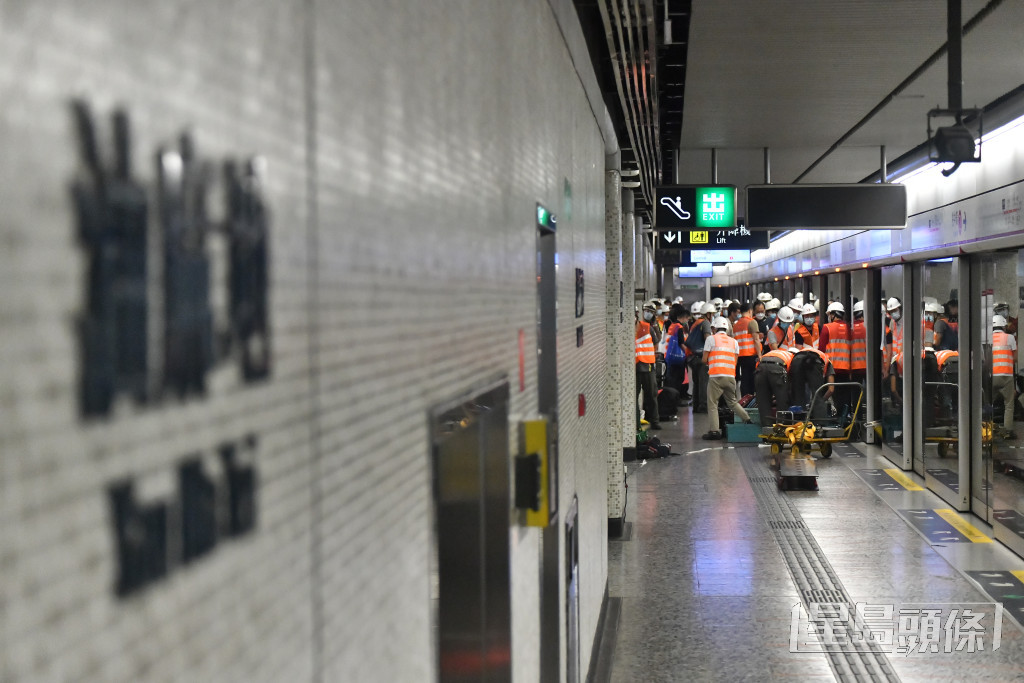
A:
[714, 574]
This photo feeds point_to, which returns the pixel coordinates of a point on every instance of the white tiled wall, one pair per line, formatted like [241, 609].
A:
[402, 269]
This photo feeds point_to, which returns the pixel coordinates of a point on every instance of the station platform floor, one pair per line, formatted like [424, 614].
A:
[712, 579]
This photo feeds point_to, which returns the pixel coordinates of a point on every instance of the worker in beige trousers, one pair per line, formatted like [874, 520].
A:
[721, 354]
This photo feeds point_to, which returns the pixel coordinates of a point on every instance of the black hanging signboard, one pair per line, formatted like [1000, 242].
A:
[866, 206]
[735, 238]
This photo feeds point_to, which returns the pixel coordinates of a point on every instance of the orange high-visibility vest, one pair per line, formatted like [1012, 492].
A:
[1002, 354]
[785, 340]
[858, 346]
[645, 345]
[811, 331]
[897, 338]
[741, 331]
[723, 356]
[942, 356]
[785, 356]
[838, 348]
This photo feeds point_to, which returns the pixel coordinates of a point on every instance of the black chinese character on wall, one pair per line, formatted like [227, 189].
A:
[113, 216]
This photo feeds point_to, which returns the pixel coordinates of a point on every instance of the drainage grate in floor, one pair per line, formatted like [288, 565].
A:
[785, 524]
[812, 574]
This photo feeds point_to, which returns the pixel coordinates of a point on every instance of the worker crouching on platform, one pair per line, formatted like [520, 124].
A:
[721, 355]
[771, 382]
[809, 370]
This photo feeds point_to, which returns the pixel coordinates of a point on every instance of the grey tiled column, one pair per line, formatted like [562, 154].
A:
[616, 339]
[627, 365]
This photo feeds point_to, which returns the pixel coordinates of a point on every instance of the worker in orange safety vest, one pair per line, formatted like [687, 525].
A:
[645, 360]
[721, 354]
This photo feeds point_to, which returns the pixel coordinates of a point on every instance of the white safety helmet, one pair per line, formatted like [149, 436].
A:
[720, 323]
[677, 300]
[786, 314]
[932, 307]
[796, 304]
[998, 321]
[817, 305]
[892, 304]
[709, 307]
[695, 308]
[725, 304]
[764, 296]
[813, 296]
[809, 309]
[773, 304]
[662, 309]
[837, 307]
[650, 306]
[717, 301]
[858, 308]
[1001, 306]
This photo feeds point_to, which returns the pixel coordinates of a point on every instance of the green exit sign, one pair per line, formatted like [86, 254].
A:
[546, 220]
[716, 207]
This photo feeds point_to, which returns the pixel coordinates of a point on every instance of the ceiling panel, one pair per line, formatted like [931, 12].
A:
[796, 75]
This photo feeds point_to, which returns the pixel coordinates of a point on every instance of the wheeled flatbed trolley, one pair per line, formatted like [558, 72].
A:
[791, 444]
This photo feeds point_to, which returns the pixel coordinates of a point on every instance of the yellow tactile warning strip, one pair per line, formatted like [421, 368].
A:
[903, 480]
[968, 530]
[1019, 573]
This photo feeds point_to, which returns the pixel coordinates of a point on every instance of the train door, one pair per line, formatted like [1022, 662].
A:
[998, 464]
[896, 374]
[860, 350]
[939, 421]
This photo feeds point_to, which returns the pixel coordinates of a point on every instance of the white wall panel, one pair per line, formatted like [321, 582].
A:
[433, 128]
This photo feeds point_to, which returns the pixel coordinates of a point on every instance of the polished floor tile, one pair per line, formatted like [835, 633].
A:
[706, 591]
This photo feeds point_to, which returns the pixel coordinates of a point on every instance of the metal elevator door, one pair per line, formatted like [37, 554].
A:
[471, 578]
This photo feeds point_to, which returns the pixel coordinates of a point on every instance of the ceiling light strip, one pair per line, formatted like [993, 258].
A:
[975, 20]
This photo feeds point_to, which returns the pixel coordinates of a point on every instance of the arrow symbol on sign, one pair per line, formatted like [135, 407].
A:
[670, 237]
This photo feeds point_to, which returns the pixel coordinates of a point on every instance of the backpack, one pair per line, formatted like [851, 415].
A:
[695, 339]
[675, 354]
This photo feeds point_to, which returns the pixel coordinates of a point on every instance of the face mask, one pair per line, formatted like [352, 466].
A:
[648, 316]
[929, 318]
[896, 316]
[784, 325]
[772, 316]
[759, 316]
[808, 321]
